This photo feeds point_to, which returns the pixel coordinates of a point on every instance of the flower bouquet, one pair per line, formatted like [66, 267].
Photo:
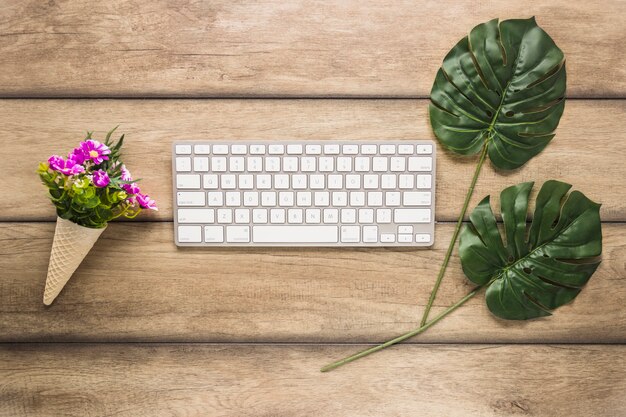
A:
[89, 188]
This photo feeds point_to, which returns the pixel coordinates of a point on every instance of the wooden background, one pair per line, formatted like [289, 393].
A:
[144, 329]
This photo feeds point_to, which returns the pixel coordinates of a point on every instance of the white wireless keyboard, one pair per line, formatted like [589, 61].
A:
[304, 194]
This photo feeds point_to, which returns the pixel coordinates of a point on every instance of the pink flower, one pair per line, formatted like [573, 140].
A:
[100, 178]
[132, 188]
[66, 167]
[145, 202]
[126, 175]
[91, 150]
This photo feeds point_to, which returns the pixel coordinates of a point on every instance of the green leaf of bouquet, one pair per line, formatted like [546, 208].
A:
[535, 269]
[502, 85]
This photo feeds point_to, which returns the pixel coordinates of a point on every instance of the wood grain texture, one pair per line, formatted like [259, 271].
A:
[585, 151]
[280, 381]
[277, 48]
[137, 286]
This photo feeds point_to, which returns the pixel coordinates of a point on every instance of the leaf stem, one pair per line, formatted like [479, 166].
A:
[405, 336]
[455, 235]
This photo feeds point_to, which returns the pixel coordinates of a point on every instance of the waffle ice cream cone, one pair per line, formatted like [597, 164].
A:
[71, 244]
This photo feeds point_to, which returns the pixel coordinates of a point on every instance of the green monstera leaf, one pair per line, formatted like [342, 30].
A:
[542, 267]
[503, 87]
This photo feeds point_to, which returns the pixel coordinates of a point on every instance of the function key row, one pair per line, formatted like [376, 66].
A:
[299, 149]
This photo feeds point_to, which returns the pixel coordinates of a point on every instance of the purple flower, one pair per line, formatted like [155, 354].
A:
[91, 150]
[126, 175]
[100, 178]
[66, 167]
[145, 201]
[131, 188]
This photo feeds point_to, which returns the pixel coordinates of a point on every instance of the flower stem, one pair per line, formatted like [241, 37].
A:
[455, 235]
[405, 336]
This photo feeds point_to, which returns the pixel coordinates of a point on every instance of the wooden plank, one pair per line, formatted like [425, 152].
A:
[136, 286]
[240, 380]
[584, 152]
[276, 48]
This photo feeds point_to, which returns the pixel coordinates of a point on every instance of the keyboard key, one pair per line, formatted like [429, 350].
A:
[218, 164]
[242, 216]
[277, 215]
[210, 181]
[350, 149]
[357, 198]
[405, 149]
[268, 198]
[424, 149]
[388, 181]
[350, 234]
[387, 149]
[370, 234]
[344, 164]
[383, 216]
[366, 216]
[331, 216]
[348, 215]
[255, 164]
[251, 198]
[322, 198]
[188, 181]
[313, 149]
[190, 198]
[214, 234]
[238, 234]
[233, 198]
[276, 149]
[335, 182]
[369, 149]
[216, 198]
[417, 198]
[317, 182]
[387, 238]
[201, 163]
[392, 198]
[294, 149]
[203, 215]
[237, 164]
[220, 149]
[424, 181]
[422, 238]
[326, 164]
[370, 181]
[228, 181]
[290, 164]
[295, 234]
[257, 149]
[361, 164]
[246, 182]
[183, 164]
[307, 164]
[224, 216]
[259, 216]
[264, 182]
[340, 198]
[190, 234]
[272, 164]
[285, 198]
[295, 216]
[379, 164]
[313, 215]
[406, 181]
[202, 149]
[411, 215]
[239, 149]
[183, 149]
[405, 238]
[420, 163]
[331, 149]
[281, 182]
[304, 198]
[375, 198]
[353, 182]
[398, 164]
[405, 229]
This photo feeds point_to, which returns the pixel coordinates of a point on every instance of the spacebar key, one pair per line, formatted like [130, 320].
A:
[295, 234]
